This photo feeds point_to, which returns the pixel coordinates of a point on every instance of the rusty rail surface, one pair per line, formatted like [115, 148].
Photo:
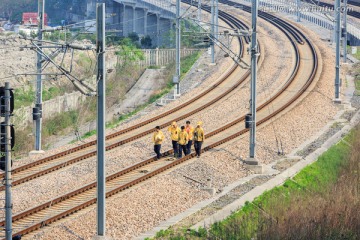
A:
[285, 27]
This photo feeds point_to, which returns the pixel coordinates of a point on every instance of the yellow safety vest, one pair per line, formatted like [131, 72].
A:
[158, 137]
[174, 132]
[199, 134]
[183, 138]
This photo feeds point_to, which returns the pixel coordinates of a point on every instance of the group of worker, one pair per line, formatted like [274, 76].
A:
[181, 138]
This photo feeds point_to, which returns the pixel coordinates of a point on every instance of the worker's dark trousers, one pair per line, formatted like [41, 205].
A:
[157, 148]
[197, 146]
[175, 145]
[182, 148]
[188, 146]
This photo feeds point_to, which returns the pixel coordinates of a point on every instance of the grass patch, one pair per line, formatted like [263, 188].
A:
[320, 202]
[270, 208]
[51, 93]
[22, 143]
[26, 96]
[357, 84]
[187, 62]
[356, 74]
[23, 97]
[357, 54]
[55, 125]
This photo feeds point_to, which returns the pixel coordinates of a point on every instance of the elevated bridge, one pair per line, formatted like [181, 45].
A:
[145, 17]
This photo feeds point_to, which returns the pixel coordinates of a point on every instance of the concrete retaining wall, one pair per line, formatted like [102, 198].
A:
[69, 101]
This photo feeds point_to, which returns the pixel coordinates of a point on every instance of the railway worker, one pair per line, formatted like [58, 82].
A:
[190, 131]
[199, 138]
[183, 140]
[174, 133]
[158, 137]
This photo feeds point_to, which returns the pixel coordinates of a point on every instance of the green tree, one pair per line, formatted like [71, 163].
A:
[134, 37]
[33, 34]
[189, 34]
[128, 52]
[146, 42]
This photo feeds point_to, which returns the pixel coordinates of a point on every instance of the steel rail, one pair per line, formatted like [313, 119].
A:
[92, 143]
[153, 173]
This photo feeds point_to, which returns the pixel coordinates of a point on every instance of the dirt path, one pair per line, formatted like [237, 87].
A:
[150, 82]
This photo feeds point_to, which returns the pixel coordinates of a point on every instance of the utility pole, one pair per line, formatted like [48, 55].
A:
[100, 45]
[176, 78]
[199, 11]
[217, 19]
[345, 31]
[212, 31]
[37, 113]
[337, 53]
[254, 54]
[298, 5]
[8, 201]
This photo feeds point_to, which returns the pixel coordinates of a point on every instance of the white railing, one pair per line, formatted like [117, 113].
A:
[159, 57]
[289, 7]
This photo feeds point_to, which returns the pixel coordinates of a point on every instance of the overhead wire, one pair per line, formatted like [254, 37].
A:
[73, 38]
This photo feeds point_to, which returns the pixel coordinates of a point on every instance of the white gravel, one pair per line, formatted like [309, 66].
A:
[125, 217]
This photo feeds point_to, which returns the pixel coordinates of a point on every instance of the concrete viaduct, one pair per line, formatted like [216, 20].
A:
[145, 17]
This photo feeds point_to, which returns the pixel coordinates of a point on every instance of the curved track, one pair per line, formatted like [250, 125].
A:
[229, 80]
[302, 76]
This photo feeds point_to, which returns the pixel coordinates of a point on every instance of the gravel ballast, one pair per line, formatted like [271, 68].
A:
[143, 207]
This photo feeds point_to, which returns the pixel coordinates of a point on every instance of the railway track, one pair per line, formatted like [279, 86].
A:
[229, 80]
[65, 205]
[357, 4]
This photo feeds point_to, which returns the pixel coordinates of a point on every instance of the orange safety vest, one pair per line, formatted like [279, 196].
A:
[190, 132]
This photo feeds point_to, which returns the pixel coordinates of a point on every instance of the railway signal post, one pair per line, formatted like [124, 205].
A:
[7, 142]
[337, 52]
[344, 31]
[38, 105]
[101, 191]
[298, 5]
[199, 11]
[251, 160]
[217, 19]
[176, 78]
[212, 31]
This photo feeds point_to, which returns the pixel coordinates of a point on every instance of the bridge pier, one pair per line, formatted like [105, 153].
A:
[128, 19]
[140, 20]
[152, 27]
[139, 16]
[146, 22]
